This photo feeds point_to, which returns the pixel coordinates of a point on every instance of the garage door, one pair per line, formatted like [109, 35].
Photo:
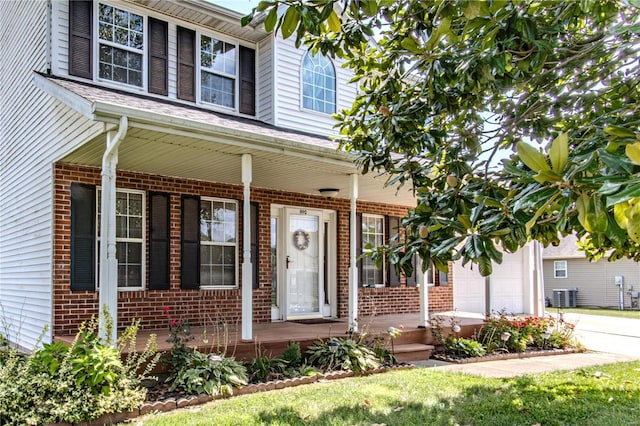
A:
[506, 286]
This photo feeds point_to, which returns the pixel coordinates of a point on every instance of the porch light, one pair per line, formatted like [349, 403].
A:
[329, 192]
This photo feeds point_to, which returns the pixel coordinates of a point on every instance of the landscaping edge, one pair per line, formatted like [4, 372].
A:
[497, 357]
[175, 403]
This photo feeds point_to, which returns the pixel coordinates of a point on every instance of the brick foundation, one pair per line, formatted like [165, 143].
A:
[204, 306]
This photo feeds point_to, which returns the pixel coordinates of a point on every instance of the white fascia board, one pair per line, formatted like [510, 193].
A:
[74, 101]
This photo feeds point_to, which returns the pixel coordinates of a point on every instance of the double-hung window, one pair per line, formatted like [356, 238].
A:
[121, 37]
[372, 237]
[130, 234]
[560, 269]
[218, 242]
[218, 71]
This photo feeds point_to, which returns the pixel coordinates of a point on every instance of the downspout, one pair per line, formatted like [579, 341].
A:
[108, 297]
[353, 254]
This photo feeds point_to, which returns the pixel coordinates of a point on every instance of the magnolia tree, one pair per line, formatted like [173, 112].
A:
[511, 121]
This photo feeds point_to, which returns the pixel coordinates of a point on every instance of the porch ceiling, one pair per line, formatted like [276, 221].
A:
[173, 138]
[167, 154]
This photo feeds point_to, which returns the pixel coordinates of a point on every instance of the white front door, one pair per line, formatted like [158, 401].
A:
[304, 260]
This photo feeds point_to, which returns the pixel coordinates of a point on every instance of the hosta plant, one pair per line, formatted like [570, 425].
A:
[210, 374]
[342, 354]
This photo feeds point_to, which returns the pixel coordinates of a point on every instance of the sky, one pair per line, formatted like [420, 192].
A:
[243, 6]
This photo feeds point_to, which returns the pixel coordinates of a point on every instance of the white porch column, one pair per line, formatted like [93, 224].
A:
[247, 268]
[353, 254]
[538, 281]
[487, 295]
[108, 273]
[423, 288]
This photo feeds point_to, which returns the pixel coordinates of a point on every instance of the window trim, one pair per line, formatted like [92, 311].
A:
[383, 269]
[143, 239]
[302, 83]
[200, 69]
[97, 41]
[236, 246]
[556, 263]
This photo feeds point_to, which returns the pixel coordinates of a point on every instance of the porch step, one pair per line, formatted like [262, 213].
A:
[413, 352]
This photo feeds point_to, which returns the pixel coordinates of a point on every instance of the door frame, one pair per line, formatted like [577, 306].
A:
[328, 234]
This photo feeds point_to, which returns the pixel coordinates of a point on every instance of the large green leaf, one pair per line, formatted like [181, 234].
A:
[559, 152]
[531, 157]
[633, 152]
[290, 22]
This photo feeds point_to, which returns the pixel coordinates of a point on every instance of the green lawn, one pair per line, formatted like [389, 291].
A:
[606, 395]
[599, 311]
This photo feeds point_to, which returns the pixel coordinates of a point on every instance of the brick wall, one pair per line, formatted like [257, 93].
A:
[202, 306]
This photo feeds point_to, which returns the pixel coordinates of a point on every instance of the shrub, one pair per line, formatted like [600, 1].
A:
[292, 355]
[342, 354]
[263, 369]
[463, 347]
[77, 382]
[211, 374]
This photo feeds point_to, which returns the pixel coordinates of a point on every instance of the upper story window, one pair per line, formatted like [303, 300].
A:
[218, 72]
[218, 242]
[560, 269]
[120, 45]
[318, 84]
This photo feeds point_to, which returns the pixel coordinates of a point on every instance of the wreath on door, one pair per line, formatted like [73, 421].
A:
[301, 239]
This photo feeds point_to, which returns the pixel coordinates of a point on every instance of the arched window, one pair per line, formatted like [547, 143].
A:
[318, 84]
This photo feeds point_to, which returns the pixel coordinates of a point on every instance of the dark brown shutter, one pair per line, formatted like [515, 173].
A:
[412, 280]
[80, 38]
[83, 237]
[190, 242]
[158, 57]
[158, 241]
[186, 64]
[359, 247]
[255, 260]
[247, 81]
[393, 224]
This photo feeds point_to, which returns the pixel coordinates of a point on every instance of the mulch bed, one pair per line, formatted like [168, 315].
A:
[529, 353]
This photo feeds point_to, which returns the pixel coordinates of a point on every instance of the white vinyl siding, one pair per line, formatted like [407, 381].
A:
[265, 75]
[288, 92]
[35, 131]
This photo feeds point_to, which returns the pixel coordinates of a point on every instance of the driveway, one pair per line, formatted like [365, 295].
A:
[606, 334]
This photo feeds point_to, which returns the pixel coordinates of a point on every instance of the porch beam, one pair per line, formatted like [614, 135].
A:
[108, 274]
[247, 268]
[353, 253]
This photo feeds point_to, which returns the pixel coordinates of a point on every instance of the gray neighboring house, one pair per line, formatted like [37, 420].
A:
[565, 267]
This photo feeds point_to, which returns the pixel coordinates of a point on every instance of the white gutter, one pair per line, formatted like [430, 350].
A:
[108, 297]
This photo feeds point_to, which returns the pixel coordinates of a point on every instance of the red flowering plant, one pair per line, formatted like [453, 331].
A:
[179, 336]
[515, 334]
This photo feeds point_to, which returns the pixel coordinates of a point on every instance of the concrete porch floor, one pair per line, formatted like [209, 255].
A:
[272, 338]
